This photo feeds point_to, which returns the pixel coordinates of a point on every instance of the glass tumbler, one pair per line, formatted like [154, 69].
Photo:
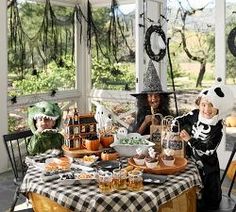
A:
[105, 181]
[135, 180]
[119, 179]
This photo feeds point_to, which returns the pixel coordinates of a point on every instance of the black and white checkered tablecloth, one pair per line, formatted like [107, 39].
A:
[88, 198]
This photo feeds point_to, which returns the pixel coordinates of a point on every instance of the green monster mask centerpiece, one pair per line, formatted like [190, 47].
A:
[44, 119]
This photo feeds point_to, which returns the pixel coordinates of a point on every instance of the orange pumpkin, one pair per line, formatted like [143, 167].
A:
[106, 140]
[91, 145]
[231, 170]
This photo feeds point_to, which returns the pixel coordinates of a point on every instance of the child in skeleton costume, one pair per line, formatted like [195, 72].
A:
[202, 129]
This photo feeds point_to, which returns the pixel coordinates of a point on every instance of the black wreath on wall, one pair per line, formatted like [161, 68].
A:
[147, 43]
[231, 41]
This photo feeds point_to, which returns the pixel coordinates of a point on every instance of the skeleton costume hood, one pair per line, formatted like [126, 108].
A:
[205, 133]
[222, 98]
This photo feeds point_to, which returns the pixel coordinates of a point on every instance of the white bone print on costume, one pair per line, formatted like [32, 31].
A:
[199, 132]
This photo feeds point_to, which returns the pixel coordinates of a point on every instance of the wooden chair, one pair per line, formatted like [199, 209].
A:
[228, 203]
[15, 144]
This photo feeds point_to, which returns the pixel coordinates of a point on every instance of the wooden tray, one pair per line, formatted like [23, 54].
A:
[179, 165]
[76, 153]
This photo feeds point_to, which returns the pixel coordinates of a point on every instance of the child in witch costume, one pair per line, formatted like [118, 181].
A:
[201, 129]
[151, 99]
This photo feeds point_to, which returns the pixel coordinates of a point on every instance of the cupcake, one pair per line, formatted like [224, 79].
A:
[139, 158]
[168, 157]
[152, 160]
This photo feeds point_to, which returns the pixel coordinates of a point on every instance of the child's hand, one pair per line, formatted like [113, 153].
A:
[146, 122]
[148, 119]
[184, 135]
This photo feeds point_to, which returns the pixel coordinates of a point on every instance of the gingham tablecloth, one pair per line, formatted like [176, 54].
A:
[88, 198]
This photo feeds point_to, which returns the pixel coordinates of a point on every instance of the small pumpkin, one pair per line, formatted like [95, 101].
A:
[91, 145]
[106, 140]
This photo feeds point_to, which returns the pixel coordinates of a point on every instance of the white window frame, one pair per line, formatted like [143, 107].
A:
[82, 94]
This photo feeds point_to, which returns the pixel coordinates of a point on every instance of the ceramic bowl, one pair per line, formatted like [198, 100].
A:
[129, 150]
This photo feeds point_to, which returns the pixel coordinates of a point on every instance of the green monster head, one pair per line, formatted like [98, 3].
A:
[44, 110]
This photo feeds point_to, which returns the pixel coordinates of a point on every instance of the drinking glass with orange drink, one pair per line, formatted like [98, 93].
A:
[119, 179]
[105, 181]
[135, 180]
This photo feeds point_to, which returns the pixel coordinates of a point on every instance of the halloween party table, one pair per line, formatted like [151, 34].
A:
[178, 191]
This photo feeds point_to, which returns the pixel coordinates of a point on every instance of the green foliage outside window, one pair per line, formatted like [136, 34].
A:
[53, 77]
[118, 76]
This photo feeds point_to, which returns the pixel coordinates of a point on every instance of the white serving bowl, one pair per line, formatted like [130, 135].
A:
[129, 150]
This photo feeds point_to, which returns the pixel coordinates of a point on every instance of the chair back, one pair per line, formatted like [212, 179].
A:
[227, 168]
[228, 203]
[15, 144]
[228, 163]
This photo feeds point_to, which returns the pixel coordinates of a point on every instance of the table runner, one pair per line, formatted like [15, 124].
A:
[88, 198]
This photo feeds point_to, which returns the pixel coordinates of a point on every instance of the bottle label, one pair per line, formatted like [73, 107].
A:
[155, 137]
[172, 144]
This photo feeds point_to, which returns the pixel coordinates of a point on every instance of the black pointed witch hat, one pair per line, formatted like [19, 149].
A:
[151, 82]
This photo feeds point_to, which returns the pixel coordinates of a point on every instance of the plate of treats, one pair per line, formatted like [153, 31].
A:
[166, 163]
[85, 178]
[82, 178]
[55, 165]
[87, 160]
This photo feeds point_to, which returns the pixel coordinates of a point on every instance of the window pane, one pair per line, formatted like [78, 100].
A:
[41, 45]
[113, 48]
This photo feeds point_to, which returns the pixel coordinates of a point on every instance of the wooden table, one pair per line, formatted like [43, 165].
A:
[185, 202]
[177, 193]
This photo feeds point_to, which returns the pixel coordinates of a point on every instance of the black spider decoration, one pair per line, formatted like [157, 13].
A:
[53, 93]
[34, 72]
[13, 99]
[147, 44]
